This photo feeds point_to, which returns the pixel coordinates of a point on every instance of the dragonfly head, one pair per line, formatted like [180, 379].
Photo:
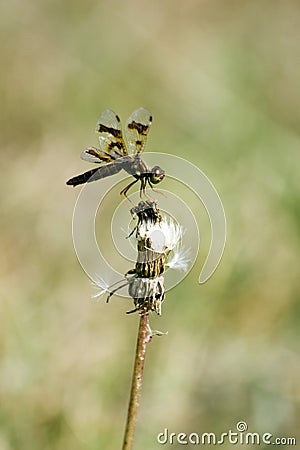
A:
[156, 175]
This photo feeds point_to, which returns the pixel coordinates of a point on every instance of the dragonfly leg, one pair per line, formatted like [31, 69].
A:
[126, 189]
[143, 190]
[155, 190]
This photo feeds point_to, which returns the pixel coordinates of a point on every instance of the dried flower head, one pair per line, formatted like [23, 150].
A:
[147, 293]
[159, 246]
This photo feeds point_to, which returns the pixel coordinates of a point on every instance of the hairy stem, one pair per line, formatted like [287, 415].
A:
[136, 384]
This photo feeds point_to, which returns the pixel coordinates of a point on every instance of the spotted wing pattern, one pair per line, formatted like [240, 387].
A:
[110, 134]
[136, 130]
[112, 145]
[95, 155]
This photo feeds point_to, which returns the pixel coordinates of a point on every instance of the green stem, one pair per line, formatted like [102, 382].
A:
[136, 385]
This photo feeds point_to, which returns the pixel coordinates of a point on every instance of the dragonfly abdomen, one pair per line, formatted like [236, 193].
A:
[95, 174]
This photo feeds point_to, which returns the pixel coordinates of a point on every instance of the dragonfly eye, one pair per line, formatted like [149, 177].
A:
[156, 175]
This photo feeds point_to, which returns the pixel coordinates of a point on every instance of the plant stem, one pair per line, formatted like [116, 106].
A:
[136, 384]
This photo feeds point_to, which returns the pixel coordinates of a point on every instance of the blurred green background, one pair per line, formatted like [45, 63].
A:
[221, 79]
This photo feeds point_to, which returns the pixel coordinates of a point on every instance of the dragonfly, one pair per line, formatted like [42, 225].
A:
[116, 153]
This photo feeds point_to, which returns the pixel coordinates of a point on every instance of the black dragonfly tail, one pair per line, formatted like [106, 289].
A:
[95, 174]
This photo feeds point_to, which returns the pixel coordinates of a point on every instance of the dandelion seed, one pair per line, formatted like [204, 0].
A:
[179, 259]
[164, 235]
[100, 283]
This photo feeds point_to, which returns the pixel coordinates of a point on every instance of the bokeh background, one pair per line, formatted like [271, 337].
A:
[221, 79]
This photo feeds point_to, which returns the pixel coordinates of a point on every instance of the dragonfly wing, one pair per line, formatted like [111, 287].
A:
[136, 130]
[110, 134]
[95, 155]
